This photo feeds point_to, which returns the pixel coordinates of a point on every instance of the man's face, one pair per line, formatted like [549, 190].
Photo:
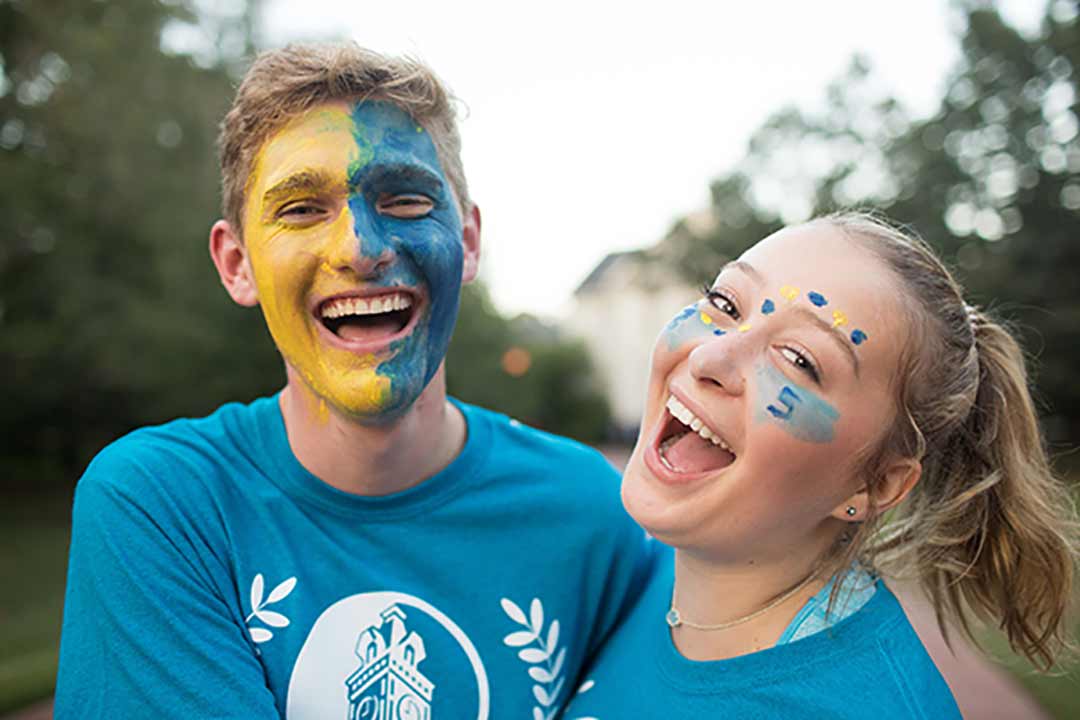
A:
[354, 240]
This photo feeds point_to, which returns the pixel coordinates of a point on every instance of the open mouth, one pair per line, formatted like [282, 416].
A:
[688, 446]
[364, 319]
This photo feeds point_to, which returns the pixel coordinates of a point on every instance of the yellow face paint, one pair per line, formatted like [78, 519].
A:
[789, 293]
[706, 319]
[744, 327]
[291, 262]
[839, 318]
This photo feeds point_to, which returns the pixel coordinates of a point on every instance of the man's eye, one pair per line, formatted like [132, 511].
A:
[404, 207]
[300, 211]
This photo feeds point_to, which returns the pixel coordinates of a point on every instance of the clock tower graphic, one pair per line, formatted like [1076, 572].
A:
[388, 684]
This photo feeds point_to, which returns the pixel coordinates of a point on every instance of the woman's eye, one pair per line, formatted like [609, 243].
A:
[800, 361]
[723, 303]
[405, 207]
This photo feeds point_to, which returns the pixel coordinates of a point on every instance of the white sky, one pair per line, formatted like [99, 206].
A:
[592, 125]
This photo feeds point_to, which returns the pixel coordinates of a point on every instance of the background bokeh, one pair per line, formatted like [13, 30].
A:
[111, 315]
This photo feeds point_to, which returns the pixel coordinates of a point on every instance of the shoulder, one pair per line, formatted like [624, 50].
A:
[546, 471]
[520, 447]
[170, 460]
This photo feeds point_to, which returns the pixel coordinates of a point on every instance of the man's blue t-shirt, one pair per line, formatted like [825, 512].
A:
[871, 664]
[212, 576]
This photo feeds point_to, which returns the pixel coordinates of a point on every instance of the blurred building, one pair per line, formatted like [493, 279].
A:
[620, 308]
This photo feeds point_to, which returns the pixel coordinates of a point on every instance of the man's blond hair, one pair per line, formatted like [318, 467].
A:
[285, 83]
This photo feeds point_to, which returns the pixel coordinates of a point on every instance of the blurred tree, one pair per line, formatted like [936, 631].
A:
[557, 389]
[110, 312]
[992, 180]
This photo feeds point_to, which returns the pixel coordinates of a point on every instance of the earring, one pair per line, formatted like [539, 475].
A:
[851, 510]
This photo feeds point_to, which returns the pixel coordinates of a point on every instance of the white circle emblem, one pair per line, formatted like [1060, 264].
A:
[362, 638]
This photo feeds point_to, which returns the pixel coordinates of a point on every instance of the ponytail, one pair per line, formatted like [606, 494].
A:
[996, 527]
[988, 530]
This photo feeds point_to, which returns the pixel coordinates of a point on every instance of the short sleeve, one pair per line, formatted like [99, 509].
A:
[147, 631]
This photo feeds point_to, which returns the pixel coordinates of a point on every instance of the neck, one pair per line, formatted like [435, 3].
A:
[710, 593]
[373, 459]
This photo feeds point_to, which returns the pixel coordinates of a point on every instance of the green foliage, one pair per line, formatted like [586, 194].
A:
[992, 181]
[558, 392]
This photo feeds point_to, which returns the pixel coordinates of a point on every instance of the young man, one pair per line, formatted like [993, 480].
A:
[358, 546]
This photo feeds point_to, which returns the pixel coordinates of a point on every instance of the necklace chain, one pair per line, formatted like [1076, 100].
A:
[675, 619]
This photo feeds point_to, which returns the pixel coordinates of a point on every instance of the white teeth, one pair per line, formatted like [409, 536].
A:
[683, 414]
[362, 306]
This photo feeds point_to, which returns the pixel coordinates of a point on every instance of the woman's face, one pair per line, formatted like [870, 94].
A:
[764, 395]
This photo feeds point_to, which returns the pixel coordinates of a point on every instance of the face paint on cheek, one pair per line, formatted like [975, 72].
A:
[801, 413]
[427, 252]
[690, 324]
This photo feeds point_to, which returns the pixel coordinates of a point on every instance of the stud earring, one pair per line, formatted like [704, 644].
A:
[851, 510]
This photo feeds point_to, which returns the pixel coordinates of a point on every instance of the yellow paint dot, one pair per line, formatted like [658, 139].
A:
[419, 129]
[789, 293]
[744, 328]
[838, 318]
[706, 319]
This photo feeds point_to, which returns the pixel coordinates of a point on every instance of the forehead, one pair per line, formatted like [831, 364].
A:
[344, 138]
[845, 275]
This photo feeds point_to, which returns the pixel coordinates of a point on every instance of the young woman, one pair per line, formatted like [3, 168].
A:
[831, 375]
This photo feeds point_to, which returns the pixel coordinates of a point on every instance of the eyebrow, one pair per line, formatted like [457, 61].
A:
[840, 338]
[747, 268]
[306, 179]
[409, 173]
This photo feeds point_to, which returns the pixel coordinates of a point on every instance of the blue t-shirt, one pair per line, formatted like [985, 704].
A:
[871, 664]
[212, 576]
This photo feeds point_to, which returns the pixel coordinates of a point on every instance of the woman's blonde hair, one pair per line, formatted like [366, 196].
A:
[285, 83]
[988, 530]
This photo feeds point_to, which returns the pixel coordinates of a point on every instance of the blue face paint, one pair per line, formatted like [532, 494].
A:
[426, 252]
[818, 299]
[688, 325]
[798, 410]
[858, 337]
[767, 307]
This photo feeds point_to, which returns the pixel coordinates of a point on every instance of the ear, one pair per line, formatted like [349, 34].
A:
[899, 479]
[231, 260]
[470, 242]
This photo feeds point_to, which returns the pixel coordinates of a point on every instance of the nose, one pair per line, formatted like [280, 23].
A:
[723, 362]
[359, 248]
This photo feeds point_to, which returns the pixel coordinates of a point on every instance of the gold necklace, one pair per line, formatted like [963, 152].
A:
[675, 619]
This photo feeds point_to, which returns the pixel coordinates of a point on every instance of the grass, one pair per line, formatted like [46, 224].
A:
[34, 537]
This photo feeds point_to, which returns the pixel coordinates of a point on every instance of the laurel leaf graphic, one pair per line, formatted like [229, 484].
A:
[272, 618]
[539, 674]
[257, 592]
[520, 638]
[533, 655]
[586, 686]
[557, 667]
[514, 612]
[260, 635]
[536, 616]
[281, 591]
[553, 636]
[541, 695]
[557, 689]
[538, 714]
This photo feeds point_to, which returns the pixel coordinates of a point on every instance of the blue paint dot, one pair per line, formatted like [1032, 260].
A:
[767, 307]
[858, 337]
[718, 333]
[818, 299]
